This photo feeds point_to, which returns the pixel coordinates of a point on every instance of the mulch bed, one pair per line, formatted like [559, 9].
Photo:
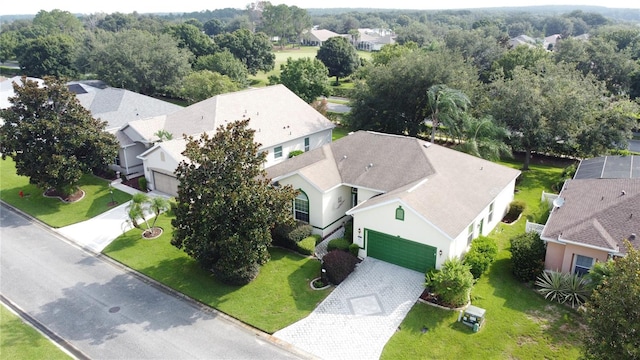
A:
[69, 198]
[133, 183]
[153, 233]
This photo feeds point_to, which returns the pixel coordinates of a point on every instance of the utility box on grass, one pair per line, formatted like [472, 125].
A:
[472, 316]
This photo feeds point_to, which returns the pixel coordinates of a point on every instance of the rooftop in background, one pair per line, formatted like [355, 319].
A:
[609, 167]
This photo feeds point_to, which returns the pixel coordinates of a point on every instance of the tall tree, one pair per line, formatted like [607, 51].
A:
[226, 205]
[225, 63]
[254, 50]
[203, 84]
[306, 77]
[392, 98]
[339, 56]
[51, 137]
[192, 38]
[277, 22]
[613, 312]
[139, 61]
[445, 106]
[51, 55]
[213, 27]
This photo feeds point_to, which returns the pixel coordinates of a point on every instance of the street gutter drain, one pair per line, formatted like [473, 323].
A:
[114, 309]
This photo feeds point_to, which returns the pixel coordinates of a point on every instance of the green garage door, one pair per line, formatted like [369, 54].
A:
[399, 251]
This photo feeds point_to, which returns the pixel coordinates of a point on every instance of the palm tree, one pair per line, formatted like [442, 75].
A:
[446, 106]
[484, 138]
[136, 210]
[158, 205]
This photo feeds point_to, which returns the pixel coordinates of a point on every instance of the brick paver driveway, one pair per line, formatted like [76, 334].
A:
[357, 319]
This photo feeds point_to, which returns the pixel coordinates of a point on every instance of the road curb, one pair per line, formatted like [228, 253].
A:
[156, 284]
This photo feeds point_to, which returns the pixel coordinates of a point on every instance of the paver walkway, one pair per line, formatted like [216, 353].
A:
[358, 318]
[321, 249]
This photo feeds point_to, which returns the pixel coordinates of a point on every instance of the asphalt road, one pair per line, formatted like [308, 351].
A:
[106, 312]
[634, 145]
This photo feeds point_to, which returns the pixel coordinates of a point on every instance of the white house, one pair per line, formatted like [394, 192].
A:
[283, 123]
[413, 203]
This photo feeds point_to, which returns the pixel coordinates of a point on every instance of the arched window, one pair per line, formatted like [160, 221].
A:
[301, 207]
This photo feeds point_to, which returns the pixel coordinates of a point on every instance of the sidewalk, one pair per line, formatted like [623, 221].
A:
[98, 232]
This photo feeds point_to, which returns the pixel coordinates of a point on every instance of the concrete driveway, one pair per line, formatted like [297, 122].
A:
[358, 318]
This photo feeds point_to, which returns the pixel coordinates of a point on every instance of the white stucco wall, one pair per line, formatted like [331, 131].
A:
[335, 204]
[315, 141]
[129, 160]
[316, 218]
[158, 160]
[366, 194]
[415, 228]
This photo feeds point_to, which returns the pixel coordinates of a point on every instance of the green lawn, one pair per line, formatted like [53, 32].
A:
[52, 211]
[520, 323]
[262, 78]
[19, 340]
[278, 297]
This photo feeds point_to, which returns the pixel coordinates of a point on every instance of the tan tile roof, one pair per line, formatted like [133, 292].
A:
[275, 112]
[597, 212]
[447, 187]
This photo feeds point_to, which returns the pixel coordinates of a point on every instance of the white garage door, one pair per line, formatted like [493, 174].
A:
[165, 183]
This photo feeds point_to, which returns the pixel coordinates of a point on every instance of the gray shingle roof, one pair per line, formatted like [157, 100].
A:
[447, 187]
[119, 106]
[597, 212]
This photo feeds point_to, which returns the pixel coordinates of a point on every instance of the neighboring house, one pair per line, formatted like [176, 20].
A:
[522, 40]
[283, 123]
[374, 39]
[6, 89]
[115, 106]
[315, 37]
[549, 42]
[118, 107]
[595, 212]
[413, 203]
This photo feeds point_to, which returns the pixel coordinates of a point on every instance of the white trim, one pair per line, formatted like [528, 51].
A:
[565, 242]
[356, 186]
[405, 205]
[417, 185]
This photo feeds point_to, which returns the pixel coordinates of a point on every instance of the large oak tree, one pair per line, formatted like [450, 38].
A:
[226, 206]
[51, 137]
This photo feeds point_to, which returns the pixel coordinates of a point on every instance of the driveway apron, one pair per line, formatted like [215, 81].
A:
[361, 314]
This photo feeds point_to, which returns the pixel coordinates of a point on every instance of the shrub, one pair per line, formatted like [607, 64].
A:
[527, 256]
[353, 249]
[288, 236]
[307, 246]
[338, 244]
[142, 183]
[452, 283]
[516, 208]
[563, 288]
[300, 232]
[295, 153]
[339, 264]
[482, 253]
[228, 272]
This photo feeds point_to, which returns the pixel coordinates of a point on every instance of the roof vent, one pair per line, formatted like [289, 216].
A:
[623, 193]
[558, 202]
[632, 237]
[344, 157]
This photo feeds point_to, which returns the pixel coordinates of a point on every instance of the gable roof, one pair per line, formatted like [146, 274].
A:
[276, 114]
[445, 186]
[597, 213]
[6, 89]
[118, 106]
[322, 35]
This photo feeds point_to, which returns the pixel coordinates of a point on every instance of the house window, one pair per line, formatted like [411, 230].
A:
[583, 265]
[306, 144]
[490, 217]
[301, 207]
[354, 197]
[117, 160]
[277, 152]
[470, 236]
[400, 213]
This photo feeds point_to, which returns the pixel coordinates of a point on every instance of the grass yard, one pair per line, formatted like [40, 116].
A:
[520, 324]
[262, 78]
[19, 340]
[278, 297]
[52, 211]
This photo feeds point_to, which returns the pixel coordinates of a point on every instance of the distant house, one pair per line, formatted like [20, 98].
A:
[522, 40]
[595, 212]
[316, 37]
[6, 89]
[374, 39]
[413, 203]
[283, 123]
